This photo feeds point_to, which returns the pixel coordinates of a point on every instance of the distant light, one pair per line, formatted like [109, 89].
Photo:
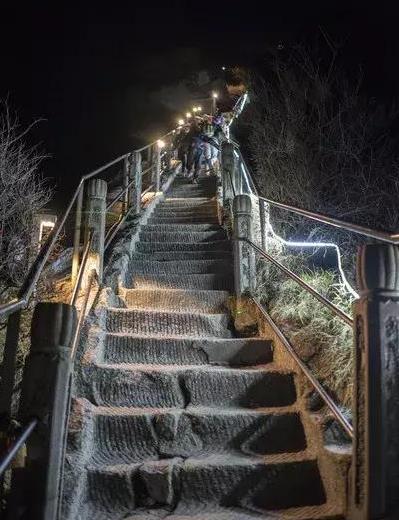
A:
[195, 109]
[214, 95]
[44, 224]
[188, 115]
[180, 122]
[223, 68]
[160, 143]
[199, 109]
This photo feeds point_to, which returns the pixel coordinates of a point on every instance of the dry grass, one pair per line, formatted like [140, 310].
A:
[322, 340]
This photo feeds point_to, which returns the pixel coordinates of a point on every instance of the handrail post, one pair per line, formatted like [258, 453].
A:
[244, 261]
[45, 396]
[374, 485]
[76, 236]
[156, 171]
[125, 184]
[96, 213]
[227, 171]
[135, 190]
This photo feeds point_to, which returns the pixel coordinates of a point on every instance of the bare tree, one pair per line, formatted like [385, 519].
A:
[23, 192]
[318, 142]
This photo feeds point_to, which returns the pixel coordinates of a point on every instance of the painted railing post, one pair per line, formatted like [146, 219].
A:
[244, 262]
[95, 223]
[45, 396]
[228, 167]
[156, 169]
[375, 469]
[135, 190]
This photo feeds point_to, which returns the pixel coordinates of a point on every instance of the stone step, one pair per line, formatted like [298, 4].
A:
[218, 480]
[219, 245]
[167, 208]
[174, 386]
[203, 282]
[168, 323]
[182, 236]
[183, 220]
[176, 300]
[178, 201]
[132, 348]
[179, 266]
[161, 256]
[181, 227]
[127, 435]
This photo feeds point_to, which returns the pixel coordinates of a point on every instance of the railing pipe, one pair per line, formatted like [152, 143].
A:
[76, 236]
[17, 445]
[311, 378]
[82, 267]
[333, 308]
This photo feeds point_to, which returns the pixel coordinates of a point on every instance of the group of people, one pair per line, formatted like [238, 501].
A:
[198, 145]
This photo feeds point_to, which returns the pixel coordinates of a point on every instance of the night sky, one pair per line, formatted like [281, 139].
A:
[102, 76]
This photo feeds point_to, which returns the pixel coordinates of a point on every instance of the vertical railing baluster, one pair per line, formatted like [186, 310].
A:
[126, 172]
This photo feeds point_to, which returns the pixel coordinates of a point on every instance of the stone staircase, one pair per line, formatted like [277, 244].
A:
[175, 416]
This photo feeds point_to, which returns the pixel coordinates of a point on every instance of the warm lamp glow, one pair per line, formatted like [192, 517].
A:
[160, 143]
[214, 95]
[180, 122]
[188, 115]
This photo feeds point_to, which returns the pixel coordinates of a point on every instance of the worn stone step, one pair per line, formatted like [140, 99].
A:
[182, 236]
[132, 348]
[178, 267]
[126, 435]
[204, 282]
[218, 480]
[183, 220]
[168, 323]
[203, 209]
[174, 386]
[220, 245]
[178, 201]
[183, 255]
[181, 227]
[176, 300]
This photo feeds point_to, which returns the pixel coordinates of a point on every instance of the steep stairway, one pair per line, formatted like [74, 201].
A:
[175, 416]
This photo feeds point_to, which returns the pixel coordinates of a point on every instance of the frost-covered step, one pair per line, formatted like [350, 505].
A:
[182, 255]
[203, 282]
[179, 266]
[181, 227]
[168, 323]
[182, 236]
[174, 386]
[176, 300]
[203, 483]
[133, 348]
[148, 247]
[126, 435]
[183, 220]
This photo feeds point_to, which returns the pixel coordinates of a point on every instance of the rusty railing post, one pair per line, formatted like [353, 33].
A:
[374, 485]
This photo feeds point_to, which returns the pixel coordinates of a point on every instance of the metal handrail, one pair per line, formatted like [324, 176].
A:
[41, 259]
[17, 445]
[333, 308]
[82, 268]
[75, 340]
[153, 143]
[115, 228]
[391, 238]
[311, 378]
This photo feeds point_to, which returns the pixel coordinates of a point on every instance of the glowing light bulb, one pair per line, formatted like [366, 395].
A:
[199, 109]
[214, 95]
[160, 143]
[188, 115]
[180, 122]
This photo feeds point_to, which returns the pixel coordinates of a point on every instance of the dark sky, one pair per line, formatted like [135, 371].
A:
[98, 74]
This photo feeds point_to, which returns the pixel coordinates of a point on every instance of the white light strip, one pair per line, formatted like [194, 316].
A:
[287, 243]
